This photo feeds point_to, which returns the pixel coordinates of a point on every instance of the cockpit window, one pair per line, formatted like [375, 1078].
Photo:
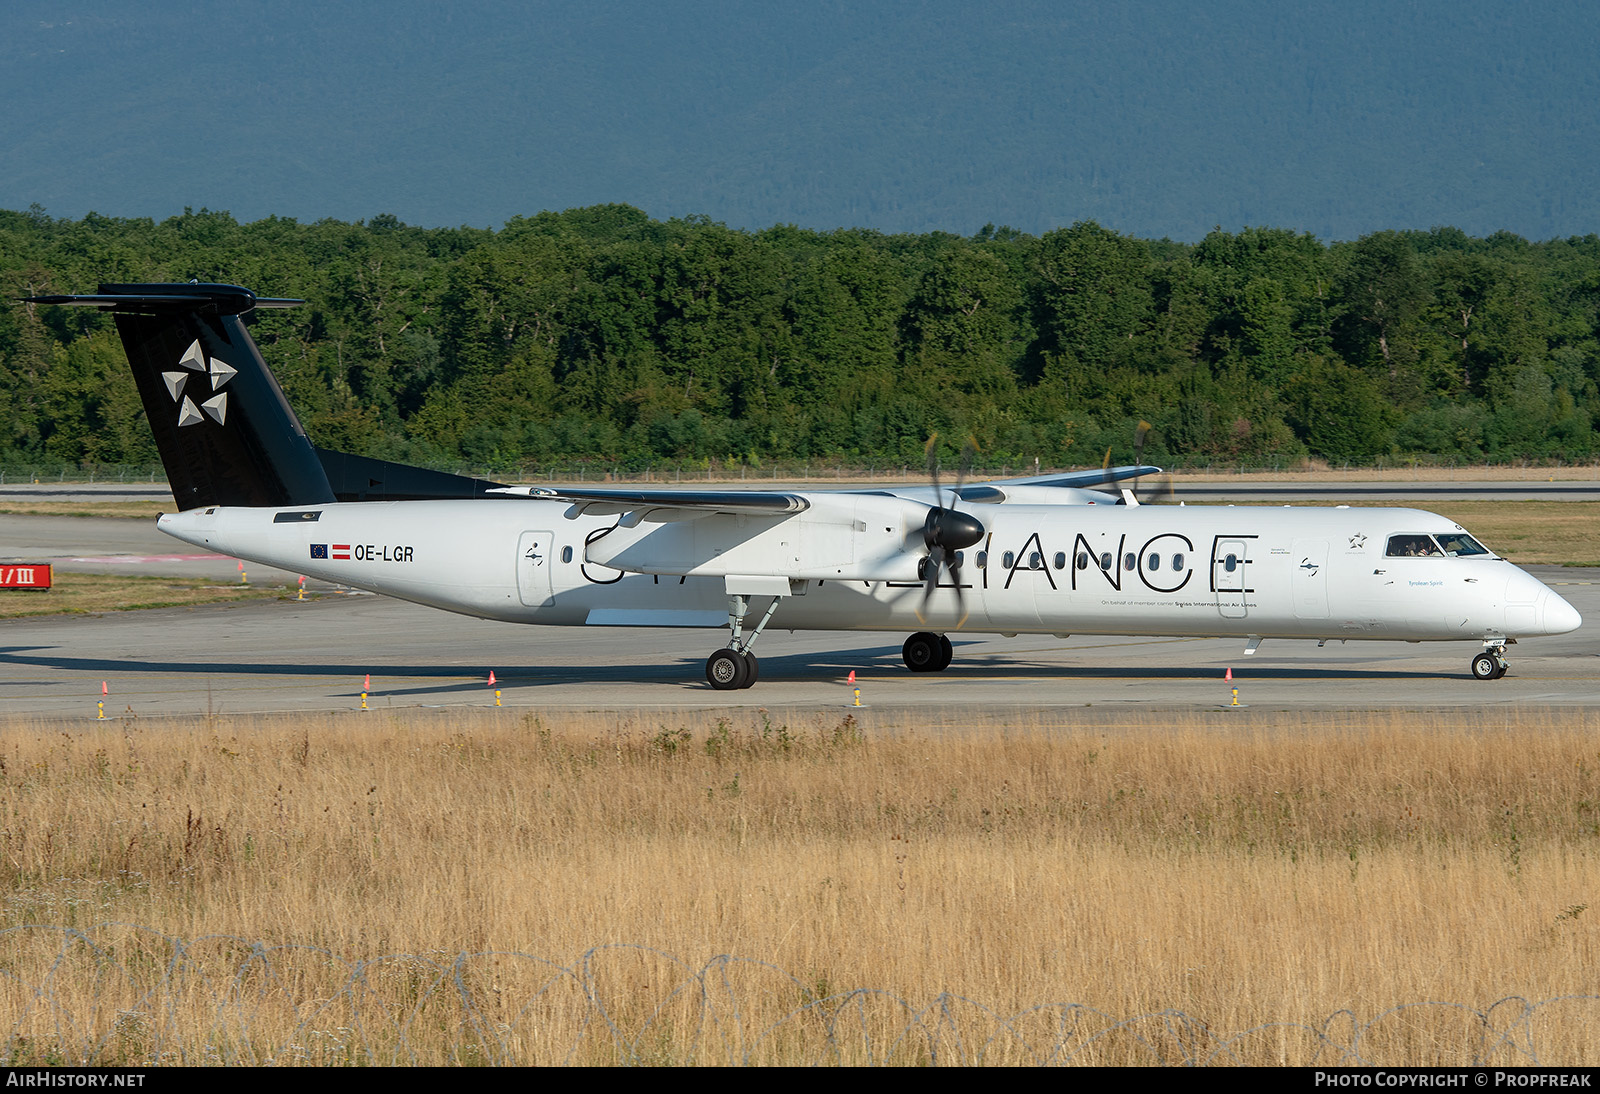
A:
[1461, 544]
[1412, 546]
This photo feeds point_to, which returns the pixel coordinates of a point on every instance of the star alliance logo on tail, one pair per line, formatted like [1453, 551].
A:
[214, 372]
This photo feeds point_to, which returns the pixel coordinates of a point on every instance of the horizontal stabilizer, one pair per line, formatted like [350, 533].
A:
[218, 299]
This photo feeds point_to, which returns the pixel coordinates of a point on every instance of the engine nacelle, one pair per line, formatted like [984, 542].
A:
[839, 537]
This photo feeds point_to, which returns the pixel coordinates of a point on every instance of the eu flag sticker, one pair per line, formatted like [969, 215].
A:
[319, 550]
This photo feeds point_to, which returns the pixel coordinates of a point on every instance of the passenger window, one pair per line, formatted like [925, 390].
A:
[983, 560]
[1130, 561]
[1035, 561]
[1105, 561]
[1153, 563]
[1177, 562]
[1009, 559]
[566, 554]
[1083, 560]
[1061, 560]
[1231, 563]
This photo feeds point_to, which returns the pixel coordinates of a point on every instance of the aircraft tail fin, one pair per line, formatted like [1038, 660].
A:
[224, 430]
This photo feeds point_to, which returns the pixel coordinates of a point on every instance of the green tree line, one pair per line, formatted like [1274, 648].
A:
[600, 333]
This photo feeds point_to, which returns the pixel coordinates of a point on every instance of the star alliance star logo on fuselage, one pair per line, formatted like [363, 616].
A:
[214, 372]
[1358, 541]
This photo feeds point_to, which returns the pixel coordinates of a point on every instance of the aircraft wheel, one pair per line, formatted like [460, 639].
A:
[727, 670]
[922, 652]
[1501, 669]
[1486, 666]
[947, 653]
[752, 669]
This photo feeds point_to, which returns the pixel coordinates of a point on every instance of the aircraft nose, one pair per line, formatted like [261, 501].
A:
[1559, 616]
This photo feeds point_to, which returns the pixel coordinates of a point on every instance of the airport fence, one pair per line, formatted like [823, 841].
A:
[124, 995]
[671, 472]
[14, 474]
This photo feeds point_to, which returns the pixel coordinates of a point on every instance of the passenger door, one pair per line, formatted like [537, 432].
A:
[1230, 564]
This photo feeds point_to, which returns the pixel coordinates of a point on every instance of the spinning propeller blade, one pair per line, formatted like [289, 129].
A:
[1164, 491]
[1139, 434]
[947, 531]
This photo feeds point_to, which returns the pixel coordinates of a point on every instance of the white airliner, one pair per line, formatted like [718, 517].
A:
[1040, 555]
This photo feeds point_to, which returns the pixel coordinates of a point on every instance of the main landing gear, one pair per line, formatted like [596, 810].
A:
[731, 669]
[736, 667]
[927, 652]
[1490, 664]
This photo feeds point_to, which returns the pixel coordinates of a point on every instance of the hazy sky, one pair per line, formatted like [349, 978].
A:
[1155, 118]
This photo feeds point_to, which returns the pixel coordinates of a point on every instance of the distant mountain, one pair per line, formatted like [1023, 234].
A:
[1154, 118]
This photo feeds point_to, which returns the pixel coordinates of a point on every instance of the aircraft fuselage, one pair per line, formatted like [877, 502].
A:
[1288, 572]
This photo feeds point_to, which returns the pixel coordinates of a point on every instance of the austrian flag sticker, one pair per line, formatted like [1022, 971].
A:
[340, 550]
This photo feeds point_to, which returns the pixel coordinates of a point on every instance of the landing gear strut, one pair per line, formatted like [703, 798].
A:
[927, 652]
[736, 667]
[1490, 664]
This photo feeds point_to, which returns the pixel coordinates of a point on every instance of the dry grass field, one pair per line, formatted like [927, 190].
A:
[1526, 532]
[1554, 532]
[87, 593]
[124, 510]
[1320, 471]
[1021, 888]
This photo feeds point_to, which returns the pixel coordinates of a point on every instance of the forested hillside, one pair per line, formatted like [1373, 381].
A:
[600, 333]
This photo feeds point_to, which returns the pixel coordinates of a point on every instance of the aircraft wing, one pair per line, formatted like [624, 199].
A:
[1080, 479]
[664, 506]
[1075, 487]
[1067, 488]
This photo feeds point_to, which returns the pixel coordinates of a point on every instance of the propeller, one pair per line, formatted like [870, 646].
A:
[947, 531]
[1130, 493]
[1140, 433]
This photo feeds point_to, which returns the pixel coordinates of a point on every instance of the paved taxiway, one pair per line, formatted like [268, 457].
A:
[279, 655]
